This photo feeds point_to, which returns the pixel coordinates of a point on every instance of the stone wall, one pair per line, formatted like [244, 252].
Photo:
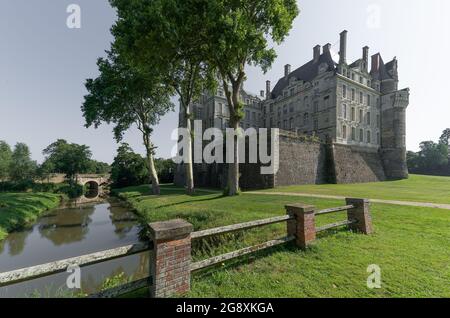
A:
[356, 165]
[300, 162]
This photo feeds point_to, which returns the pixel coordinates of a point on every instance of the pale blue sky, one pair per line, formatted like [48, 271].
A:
[43, 64]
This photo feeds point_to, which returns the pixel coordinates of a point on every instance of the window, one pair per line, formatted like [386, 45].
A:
[316, 124]
[369, 140]
[368, 100]
[285, 109]
[271, 108]
[344, 91]
[291, 107]
[326, 101]
[316, 106]
[285, 124]
[361, 116]
[353, 76]
[247, 115]
[353, 94]
[353, 114]
[344, 132]
[305, 119]
[361, 135]
[220, 92]
[353, 133]
[291, 123]
[292, 91]
[361, 97]
[368, 118]
[361, 80]
[344, 111]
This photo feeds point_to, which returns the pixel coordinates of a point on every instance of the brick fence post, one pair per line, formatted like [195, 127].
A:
[170, 258]
[303, 227]
[361, 214]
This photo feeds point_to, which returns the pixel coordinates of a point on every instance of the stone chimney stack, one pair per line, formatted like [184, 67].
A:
[343, 48]
[287, 71]
[261, 94]
[326, 48]
[376, 60]
[366, 58]
[316, 55]
[268, 90]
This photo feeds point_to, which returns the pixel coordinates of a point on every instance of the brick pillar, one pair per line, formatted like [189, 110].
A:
[304, 227]
[171, 258]
[361, 214]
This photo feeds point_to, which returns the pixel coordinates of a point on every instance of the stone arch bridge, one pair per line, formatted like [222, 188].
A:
[94, 180]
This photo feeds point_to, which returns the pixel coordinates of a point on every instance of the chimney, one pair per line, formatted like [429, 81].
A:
[326, 48]
[287, 71]
[261, 94]
[316, 53]
[268, 90]
[366, 58]
[343, 48]
[376, 59]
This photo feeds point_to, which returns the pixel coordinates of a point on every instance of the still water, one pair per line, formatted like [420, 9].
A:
[78, 229]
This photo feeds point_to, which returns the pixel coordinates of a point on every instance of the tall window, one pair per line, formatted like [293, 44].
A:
[361, 98]
[368, 100]
[353, 133]
[368, 118]
[344, 132]
[361, 116]
[291, 123]
[316, 124]
[316, 106]
[353, 114]
[344, 91]
[369, 137]
[344, 111]
[285, 124]
[353, 94]
[361, 135]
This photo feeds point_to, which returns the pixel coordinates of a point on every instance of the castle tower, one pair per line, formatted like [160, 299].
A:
[393, 104]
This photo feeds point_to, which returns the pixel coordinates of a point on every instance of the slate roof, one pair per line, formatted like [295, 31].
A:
[305, 73]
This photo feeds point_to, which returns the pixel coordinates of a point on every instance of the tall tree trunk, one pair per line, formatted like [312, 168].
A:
[233, 168]
[151, 165]
[189, 166]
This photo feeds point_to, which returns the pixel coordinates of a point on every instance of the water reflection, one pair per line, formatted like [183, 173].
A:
[76, 230]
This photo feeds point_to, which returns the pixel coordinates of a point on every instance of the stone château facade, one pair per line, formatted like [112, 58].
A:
[358, 112]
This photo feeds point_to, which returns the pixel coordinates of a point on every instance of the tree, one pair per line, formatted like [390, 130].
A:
[125, 96]
[445, 137]
[166, 169]
[22, 168]
[45, 171]
[97, 167]
[235, 34]
[70, 159]
[5, 160]
[128, 168]
[165, 34]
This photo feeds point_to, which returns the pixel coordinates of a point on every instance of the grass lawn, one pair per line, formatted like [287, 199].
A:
[417, 188]
[19, 209]
[410, 244]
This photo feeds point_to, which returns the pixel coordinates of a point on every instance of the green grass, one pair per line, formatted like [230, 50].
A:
[19, 209]
[410, 244]
[417, 188]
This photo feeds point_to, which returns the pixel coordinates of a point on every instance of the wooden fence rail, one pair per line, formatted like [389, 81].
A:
[30, 273]
[170, 248]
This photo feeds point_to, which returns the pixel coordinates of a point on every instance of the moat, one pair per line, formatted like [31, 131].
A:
[73, 230]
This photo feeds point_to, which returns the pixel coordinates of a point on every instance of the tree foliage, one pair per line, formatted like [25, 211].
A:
[128, 168]
[22, 167]
[125, 96]
[165, 35]
[5, 160]
[68, 158]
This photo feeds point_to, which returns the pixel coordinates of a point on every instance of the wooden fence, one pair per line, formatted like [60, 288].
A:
[170, 248]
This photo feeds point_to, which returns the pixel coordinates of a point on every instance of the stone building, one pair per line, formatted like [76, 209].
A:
[357, 112]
